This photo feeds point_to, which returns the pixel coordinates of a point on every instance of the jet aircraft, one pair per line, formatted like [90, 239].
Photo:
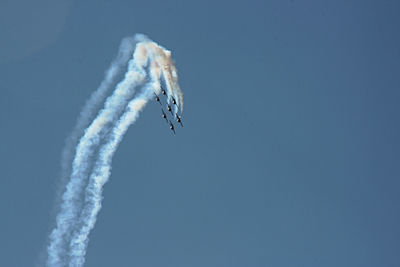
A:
[157, 98]
[164, 115]
[171, 126]
[178, 119]
[170, 109]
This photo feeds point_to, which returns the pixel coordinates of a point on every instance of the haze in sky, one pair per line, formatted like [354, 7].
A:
[289, 154]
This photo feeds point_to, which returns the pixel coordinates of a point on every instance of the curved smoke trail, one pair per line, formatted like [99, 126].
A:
[91, 166]
[99, 177]
[93, 103]
[90, 108]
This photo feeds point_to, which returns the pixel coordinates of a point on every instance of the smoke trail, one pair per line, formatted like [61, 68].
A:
[91, 106]
[103, 136]
[86, 115]
[100, 176]
[102, 169]
[85, 150]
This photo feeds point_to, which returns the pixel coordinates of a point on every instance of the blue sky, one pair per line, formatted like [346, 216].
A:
[289, 155]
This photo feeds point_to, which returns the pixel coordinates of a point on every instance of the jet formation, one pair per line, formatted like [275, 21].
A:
[175, 116]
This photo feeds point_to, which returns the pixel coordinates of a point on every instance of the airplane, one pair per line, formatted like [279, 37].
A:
[173, 101]
[171, 126]
[170, 109]
[178, 119]
[157, 98]
[164, 115]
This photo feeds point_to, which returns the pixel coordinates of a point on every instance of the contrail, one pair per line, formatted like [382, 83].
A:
[84, 153]
[93, 103]
[90, 108]
[57, 245]
[99, 177]
[102, 169]
[77, 216]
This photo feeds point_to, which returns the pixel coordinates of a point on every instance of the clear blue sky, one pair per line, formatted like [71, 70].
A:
[290, 152]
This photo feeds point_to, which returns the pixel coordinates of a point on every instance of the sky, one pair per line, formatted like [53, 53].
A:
[289, 155]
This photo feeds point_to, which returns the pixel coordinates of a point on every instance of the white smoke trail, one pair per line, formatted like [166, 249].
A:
[91, 106]
[102, 168]
[71, 202]
[100, 176]
[86, 115]
[103, 136]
